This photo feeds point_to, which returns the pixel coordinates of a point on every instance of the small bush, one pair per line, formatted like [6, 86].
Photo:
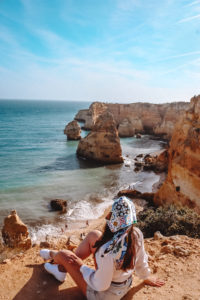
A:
[169, 220]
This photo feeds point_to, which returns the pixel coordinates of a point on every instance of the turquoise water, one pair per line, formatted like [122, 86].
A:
[38, 164]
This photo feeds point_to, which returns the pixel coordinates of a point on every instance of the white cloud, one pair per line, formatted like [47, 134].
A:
[189, 19]
[193, 3]
[193, 53]
[92, 81]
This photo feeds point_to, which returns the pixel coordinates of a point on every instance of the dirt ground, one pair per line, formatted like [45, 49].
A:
[174, 259]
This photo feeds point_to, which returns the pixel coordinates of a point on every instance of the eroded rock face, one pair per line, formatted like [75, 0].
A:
[182, 184]
[126, 129]
[15, 232]
[150, 118]
[73, 131]
[102, 143]
[170, 114]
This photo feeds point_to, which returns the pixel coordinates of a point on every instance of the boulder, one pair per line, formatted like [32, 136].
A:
[130, 193]
[73, 131]
[167, 249]
[181, 251]
[15, 233]
[59, 205]
[135, 194]
[158, 235]
[102, 144]
[138, 136]
[157, 163]
[126, 129]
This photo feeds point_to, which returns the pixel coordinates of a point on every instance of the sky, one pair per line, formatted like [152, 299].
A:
[100, 50]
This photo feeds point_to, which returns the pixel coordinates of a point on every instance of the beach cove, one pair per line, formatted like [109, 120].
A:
[174, 258]
[39, 164]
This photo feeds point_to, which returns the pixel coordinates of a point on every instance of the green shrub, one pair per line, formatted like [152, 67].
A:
[169, 220]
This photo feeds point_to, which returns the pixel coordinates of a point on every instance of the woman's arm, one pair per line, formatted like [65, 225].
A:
[141, 264]
[142, 269]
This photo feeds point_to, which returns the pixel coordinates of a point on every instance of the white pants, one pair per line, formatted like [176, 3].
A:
[114, 292]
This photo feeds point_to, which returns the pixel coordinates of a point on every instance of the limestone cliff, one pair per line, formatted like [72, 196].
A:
[182, 184]
[102, 143]
[170, 115]
[158, 119]
[126, 128]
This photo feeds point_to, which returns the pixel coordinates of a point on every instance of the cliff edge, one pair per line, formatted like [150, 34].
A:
[182, 184]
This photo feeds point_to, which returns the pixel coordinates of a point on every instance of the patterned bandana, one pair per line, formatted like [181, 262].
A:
[123, 215]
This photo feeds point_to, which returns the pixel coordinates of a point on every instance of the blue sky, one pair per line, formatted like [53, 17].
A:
[100, 50]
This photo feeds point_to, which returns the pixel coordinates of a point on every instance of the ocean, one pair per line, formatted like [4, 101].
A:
[38, 164]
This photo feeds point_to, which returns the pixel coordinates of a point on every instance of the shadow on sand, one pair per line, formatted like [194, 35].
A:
[43, 286]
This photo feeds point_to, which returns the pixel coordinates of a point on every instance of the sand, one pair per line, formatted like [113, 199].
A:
[173, 259]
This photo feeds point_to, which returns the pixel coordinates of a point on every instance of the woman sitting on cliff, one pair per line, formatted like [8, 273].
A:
[118, 252]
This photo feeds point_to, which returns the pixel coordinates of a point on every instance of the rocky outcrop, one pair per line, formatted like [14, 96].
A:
[102, 143]
[135, 194]
[73, 131]
[152, 162]
[15, 232]
[89, 116]
[158, 119]
[126, 129]
[59, 205]
[182, 184]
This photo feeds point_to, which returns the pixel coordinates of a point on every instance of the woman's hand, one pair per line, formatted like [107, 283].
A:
[153, 281]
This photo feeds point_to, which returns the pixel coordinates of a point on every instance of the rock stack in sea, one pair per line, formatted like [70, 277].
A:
[102, 143]
[182, 184]
[15, 233]
[73, 130]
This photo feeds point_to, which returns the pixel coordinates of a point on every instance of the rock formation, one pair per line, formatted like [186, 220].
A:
[182, 184]
[126, 129]
[170, 114]
[158, 119]
[59, 205]
[135, 194]
[89, 116]
[73, 131]
[152, 162]
[102, 143]
[15, 232]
